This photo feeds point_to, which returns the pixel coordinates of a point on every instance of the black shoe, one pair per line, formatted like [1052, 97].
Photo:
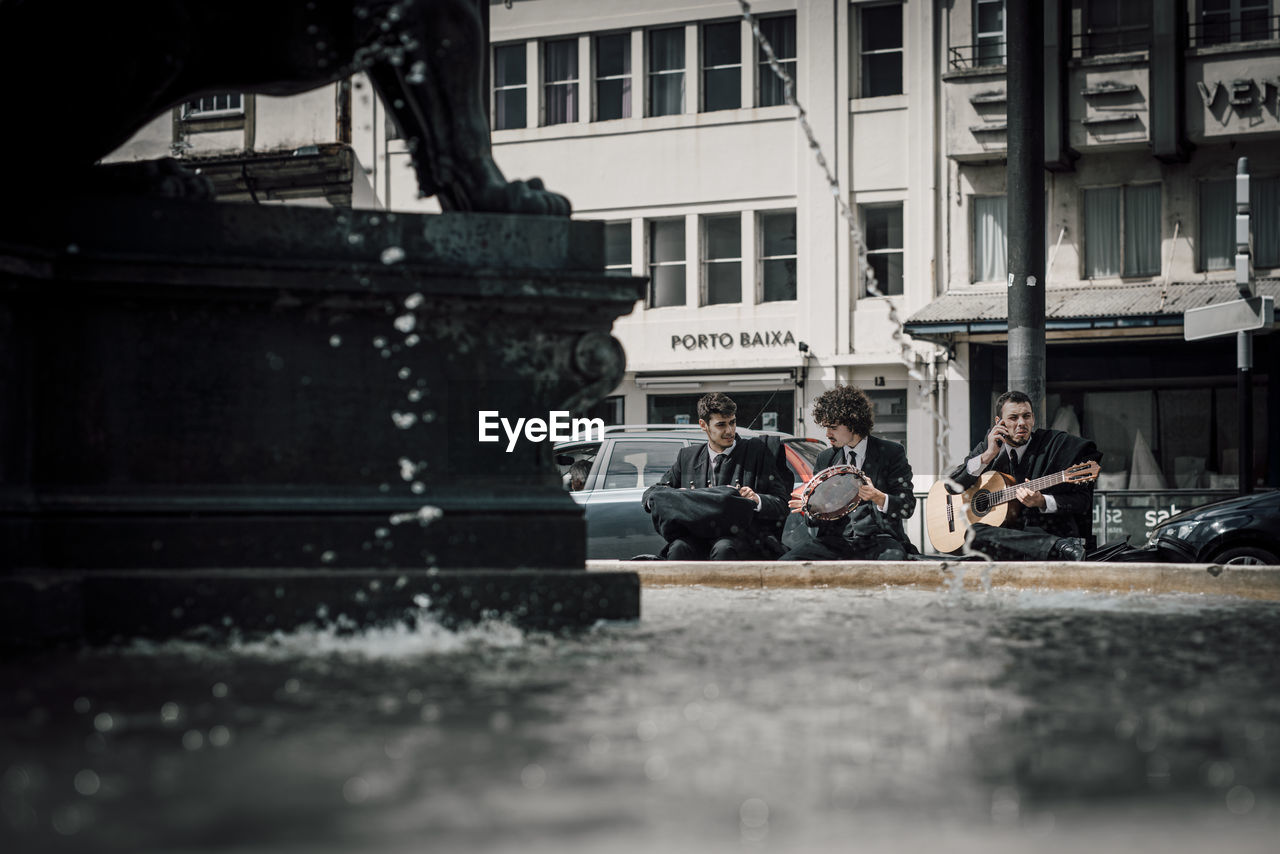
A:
[1067, 548]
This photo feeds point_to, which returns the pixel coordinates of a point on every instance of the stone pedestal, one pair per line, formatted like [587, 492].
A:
[232, 387]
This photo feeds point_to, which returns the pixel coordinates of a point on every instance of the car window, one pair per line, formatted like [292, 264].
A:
[567, 456]
[639, 463]
[809, 451]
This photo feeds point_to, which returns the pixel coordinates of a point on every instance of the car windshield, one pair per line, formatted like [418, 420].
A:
[639, 463]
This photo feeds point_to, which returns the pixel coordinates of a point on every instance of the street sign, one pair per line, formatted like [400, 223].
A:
[1228, 318]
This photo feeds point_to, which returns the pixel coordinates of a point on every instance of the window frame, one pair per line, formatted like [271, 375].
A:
[1234, 19]
[570, 85]
[188, 114]
[652, 263]
[973, 239]
[497, 89]
[1121, 32]
[1258, 263]
[704, 69]
[863, 291]
[790, 64]
[627, 76]
[650, 74]
[979, 61]
[1124, 228]
[762, 257]
[618, 269]
[863, 53]
[704, 227]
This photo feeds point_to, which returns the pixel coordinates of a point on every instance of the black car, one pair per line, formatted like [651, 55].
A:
[634, 457]
[1243, 530]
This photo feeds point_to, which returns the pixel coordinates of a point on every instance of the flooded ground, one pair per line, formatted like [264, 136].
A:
[724, 720]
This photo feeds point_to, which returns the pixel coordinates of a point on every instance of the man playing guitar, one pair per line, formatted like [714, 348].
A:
[1051, 523]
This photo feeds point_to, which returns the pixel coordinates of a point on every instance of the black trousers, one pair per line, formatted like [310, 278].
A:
[1012, 543]
[725, 548]
[875, 547]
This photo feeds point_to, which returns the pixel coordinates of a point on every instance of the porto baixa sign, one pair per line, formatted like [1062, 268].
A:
[727, 341]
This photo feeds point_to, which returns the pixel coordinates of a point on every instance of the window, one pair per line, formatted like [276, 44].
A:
[221, 104]
[613, 77]
[639, 462]
[990, 238]
[721, 66]
[1234, 21]
[1122, 231]
[780, 32]
[777, 256]
[890, 414]
[560, 81]
[1217, 243]
[1116, 26]
[666, 71]
[509, 77]
[666, 262]
[617, 248]
[988, 32]
[722, 258]
[880, 30]
[882, 231]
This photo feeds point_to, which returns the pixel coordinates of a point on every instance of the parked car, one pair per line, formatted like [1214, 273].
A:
[632, 458]
[1242, 530]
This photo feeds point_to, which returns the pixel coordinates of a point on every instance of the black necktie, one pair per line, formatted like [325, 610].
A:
[1016, 459]
[716, 465]
[849, 456]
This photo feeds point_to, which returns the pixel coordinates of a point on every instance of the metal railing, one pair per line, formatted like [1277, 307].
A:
[1246, 28]
[1104, 42]
[980, 55]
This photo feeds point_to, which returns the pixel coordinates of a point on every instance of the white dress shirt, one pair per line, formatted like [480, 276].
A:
[975, 468]
[856, 456]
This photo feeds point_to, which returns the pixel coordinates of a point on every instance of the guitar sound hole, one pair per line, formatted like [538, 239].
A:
[981, 503]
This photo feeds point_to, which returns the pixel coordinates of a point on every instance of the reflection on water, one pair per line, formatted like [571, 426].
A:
[775, 720]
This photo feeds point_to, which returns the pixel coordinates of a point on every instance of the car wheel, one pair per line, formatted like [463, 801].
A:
[1246, 556]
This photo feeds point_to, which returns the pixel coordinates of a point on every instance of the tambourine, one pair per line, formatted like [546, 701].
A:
[832, 493]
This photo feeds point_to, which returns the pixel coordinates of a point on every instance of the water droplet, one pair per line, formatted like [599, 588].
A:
[328, 556]
[417, 72]
[193, 739]
[418, 487]
[406, 322]
[404, 373]
[82, 704]
[219, 689]
[169, 713]
[102, 722]
[87, 782]
[754, 813]
[355, 238]
[414, 395]
[532, 776]
[355, 790]
[411, 340]
[335, 340]
[404, 420]
[1240, 800]
[413, 301]
[392, 255]
[379, 342]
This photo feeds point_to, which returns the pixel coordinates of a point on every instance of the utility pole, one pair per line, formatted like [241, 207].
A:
[1025, 200]
[1244, 340]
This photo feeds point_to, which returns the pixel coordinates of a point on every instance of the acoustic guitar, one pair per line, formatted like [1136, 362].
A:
[992, 500]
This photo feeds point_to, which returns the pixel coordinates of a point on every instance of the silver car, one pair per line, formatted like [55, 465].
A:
[632, 458]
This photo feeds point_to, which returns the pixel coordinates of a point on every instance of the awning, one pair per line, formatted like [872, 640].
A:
[985, 311]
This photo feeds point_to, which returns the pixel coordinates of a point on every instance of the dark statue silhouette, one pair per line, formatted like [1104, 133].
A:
[87, 78]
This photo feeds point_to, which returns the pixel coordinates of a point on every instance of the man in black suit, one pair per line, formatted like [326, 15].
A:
[1051, 524]
[724, 500]
[873, 531]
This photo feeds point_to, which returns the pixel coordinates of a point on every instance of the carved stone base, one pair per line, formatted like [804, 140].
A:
[235, 386]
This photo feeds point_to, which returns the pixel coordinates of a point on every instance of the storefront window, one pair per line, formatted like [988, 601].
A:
[758, 410]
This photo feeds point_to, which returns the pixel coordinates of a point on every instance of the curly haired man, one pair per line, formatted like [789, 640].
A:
[873, 531]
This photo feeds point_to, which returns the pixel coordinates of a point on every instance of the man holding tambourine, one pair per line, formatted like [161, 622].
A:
[853, 507]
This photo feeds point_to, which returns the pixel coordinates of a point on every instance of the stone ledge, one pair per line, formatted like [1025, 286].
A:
[47, 609]
[1253, 582]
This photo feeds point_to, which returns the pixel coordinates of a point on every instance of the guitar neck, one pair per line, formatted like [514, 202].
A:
[1009, 493]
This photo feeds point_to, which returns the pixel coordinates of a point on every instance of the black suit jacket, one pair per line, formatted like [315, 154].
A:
[886, 464]
[754, 462]
[1048, 452]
